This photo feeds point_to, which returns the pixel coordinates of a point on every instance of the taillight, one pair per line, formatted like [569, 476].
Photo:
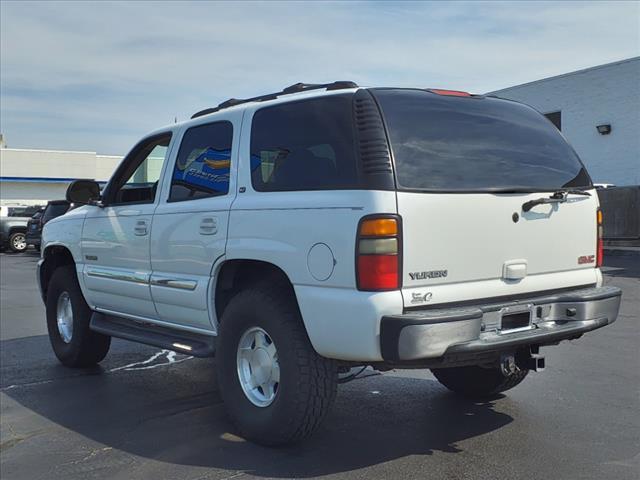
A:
[378, 247]
[600, 241]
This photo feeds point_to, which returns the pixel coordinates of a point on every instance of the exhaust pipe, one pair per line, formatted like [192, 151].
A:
[508, 364]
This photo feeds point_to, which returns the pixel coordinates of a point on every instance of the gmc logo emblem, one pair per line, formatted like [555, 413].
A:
[586, 259]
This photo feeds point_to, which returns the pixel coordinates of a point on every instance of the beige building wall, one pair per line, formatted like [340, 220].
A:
[105, 166]
[31, 193]
[29, 177]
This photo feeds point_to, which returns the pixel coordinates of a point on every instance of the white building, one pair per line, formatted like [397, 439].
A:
[30, 177]
[598, 111]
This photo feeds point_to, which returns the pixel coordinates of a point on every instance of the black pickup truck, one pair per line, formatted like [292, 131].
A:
[13, 226]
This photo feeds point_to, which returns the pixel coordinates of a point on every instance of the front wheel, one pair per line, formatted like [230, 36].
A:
[478, 382]
[68, 317]
[276, 388]
[17, 242]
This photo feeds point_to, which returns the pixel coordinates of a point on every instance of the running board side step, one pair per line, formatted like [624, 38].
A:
[180, 341]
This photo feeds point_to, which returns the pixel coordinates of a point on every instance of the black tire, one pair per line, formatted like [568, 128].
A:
[85, 348]
[18, 242]
[308, 381]
[478, 382]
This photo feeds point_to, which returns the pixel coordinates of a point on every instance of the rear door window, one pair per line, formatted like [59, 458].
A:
[203, 163]
[475, 144]
[304, 145]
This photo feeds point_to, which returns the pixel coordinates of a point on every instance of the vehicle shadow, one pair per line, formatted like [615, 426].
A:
[174, 414]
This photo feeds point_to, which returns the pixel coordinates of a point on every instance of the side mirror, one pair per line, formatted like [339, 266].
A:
[83, 192]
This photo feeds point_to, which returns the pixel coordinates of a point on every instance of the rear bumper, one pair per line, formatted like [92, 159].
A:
[454, 334]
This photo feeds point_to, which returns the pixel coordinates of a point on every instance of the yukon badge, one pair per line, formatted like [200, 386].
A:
[429, 274]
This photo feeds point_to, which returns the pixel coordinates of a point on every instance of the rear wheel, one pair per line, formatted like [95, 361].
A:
[68, 317]
[276, 388]
[478, 382]
[18, 242]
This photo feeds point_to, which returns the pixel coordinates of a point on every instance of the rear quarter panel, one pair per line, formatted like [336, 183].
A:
[283, 227]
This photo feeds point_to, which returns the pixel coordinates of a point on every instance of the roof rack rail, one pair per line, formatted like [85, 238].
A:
[295, 88]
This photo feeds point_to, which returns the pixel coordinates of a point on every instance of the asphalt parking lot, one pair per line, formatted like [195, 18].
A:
[146, 413]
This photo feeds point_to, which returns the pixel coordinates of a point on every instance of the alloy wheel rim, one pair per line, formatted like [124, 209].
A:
[258, 367]
[19, 242]
[64, 317]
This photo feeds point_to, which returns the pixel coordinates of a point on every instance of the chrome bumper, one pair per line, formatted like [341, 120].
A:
[467, 331]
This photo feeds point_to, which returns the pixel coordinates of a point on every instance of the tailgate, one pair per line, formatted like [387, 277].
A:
[469, 246]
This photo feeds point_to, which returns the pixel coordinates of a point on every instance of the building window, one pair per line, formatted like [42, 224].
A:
[556, 119]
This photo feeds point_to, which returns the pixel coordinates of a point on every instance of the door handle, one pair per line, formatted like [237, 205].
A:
[140, 228]
[129, 213]
[209, 226]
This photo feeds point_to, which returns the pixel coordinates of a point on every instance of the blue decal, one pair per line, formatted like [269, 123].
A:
[209, 170]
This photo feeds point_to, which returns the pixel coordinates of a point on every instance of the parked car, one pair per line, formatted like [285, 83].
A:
[34, 229]
[54, 209]
[13, 226]
[305, 232]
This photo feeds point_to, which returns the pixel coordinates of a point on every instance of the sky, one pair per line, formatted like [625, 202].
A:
[97, 76]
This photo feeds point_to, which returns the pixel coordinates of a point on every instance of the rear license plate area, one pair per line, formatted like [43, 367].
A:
[515, 321]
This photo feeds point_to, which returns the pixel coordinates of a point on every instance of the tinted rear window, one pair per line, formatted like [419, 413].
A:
[461, 143]
[304, 145]
[55, 210]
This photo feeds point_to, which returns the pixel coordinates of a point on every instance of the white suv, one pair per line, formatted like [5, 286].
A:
[299, 234]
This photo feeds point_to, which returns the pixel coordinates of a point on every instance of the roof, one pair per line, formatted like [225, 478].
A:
[576, 72]
[286, 95]
[292, 89]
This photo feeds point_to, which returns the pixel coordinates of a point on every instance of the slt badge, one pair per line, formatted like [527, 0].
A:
[421, 297]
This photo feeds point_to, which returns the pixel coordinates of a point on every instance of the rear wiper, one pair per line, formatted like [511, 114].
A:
[574, 191]
[558, 197]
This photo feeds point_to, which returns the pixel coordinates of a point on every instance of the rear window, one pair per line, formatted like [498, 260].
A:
[304, 145]
[54, 210]
[461, 143]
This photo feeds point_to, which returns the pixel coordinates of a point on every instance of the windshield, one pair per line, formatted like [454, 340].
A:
[475, 144]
